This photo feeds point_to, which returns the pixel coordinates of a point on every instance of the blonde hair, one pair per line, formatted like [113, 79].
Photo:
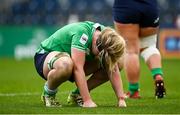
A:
[113, 47]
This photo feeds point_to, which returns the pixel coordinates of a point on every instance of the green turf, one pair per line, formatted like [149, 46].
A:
[19, 78]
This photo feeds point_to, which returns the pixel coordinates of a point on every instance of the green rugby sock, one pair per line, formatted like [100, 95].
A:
[133, 87]
[49, 92]
[76, 91]
[156, 71]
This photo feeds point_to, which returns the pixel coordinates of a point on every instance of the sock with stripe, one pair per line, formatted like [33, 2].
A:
[49, 92]
[133, 87]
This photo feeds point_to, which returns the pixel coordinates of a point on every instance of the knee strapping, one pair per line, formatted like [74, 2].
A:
[56, 57]
[149, 43]
[149, 52]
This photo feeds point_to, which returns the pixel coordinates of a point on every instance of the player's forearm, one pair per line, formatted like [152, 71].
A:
[117, 85]
[82, 84]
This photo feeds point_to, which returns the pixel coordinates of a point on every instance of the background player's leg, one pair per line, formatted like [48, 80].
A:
[130, 33]
[152, 58]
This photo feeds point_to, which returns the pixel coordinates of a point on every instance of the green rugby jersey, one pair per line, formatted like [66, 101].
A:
[76, 35]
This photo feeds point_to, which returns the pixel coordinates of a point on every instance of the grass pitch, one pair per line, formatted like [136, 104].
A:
[21, 87]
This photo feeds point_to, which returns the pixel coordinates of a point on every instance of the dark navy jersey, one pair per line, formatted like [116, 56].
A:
[142, 12]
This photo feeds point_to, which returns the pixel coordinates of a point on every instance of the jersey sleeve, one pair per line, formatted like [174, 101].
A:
[80, 41]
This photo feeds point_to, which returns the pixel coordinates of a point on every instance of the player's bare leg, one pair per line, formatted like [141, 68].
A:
[152, 58]
[130, 33]
[57, 69]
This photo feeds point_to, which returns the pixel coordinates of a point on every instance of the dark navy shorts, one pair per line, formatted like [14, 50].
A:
[39, 62]
[142, 12]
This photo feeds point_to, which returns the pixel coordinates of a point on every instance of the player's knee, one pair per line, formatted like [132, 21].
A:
[65, 67]
[132, 45]
[148, 44]
[68, 67]
[148, 52]
[132, 48]
[148, 41]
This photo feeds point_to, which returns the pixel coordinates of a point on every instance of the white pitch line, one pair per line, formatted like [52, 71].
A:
[25, 94]
[18, 94]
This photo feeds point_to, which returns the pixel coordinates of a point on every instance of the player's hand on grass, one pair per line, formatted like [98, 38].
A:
[122, 103]
[89, 104]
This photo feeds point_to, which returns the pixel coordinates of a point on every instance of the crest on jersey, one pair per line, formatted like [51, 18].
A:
[84, 38]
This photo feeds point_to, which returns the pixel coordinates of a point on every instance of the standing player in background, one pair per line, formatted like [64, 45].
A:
[137, 21]
[75, 51]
